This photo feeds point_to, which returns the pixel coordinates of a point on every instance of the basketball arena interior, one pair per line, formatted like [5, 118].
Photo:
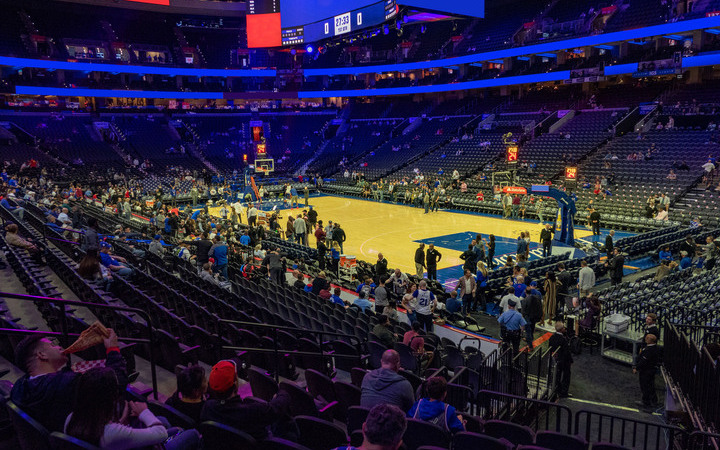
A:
[368, 224]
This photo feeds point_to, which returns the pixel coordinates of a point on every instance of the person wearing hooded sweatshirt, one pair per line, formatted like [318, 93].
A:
[385, 385]
[433, 409]
[47, 390]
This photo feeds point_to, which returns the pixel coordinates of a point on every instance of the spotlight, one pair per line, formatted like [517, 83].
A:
[309, 49]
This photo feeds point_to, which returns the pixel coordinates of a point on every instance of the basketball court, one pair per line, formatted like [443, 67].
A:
[396, 231]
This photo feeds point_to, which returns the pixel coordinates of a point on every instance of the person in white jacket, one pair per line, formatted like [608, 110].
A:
[93, 417]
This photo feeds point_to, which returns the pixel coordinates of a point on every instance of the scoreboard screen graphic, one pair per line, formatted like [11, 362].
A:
[274, 23]
[571, 173]
[512, 154]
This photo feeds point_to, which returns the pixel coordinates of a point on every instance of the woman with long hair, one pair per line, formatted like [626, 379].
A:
[481, 278]
[94, 417]
[90, 268]
[550, 299]
[491, 251]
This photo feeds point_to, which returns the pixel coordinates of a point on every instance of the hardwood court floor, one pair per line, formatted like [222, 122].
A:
[396, 230]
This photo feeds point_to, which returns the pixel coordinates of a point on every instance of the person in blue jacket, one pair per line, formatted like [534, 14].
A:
[219, 251]
[665, 254]
[433, 409]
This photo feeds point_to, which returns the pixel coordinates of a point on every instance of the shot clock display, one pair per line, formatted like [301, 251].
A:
[571, 173]
[512, 154]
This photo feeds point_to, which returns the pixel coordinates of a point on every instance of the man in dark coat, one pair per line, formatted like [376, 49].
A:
[609, 244]
[615, 266]
[381, 268]
[432, 258]
[546, 237]
[646, 367]
[532, 312]
[560, 347]
[420, 260]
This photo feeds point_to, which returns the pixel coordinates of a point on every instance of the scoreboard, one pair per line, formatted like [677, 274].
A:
[340, 24]
[275, 23]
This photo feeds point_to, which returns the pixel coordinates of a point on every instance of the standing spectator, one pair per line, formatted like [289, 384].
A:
[595, 221]
[420, 261]
[515, 206]
[381, 296]
[273, 263]
[586, 279]
[381, 268]
[252, 214]
[512, 325]
[386, 386]
[546, 237]
[320, 234]
[219, 251]
[609, 243]
[566, 281]
[532, 313]
[550, 286]
[433, 408]
[426, 303]
[467, 287]
[491, 251]
[409, 302]
[300, 230]
[616, 265]
[398, 284]
[481, 279]
[560, 346]
[709, 253]
[651, 326]
[646, 367]
[507, 202]
[338, 235]
[432, 258]
[469, 257]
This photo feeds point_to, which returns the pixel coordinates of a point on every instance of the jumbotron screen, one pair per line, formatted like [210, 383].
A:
[274, 23]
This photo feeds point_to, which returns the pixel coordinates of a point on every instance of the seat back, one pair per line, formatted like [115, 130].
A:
[320, 385]
[175, 417]
[347, 395]
[319, 434]
[61, 441]
[31, 435]
[376, 350]
[262, 385]
[419, 433]
[217, 435]
[301, 402]
[473, 441]
[559, 441]
[280, 444]
[356, 376]
[356, 416]
[408, 360]
[517, 434]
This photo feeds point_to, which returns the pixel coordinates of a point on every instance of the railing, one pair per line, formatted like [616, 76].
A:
[700, 334]
[631, 433]
[537, 414]
[276, 350]
[65, 335]
[695, 372]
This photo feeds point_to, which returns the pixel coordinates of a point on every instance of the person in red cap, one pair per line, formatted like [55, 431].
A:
[226, 407]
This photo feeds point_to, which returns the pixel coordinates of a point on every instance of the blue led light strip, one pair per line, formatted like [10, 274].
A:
[140, 70]
[81, 92]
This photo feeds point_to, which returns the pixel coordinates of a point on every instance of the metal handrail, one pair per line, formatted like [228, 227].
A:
[65, 334]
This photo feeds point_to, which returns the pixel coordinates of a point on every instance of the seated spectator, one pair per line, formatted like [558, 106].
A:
[391, 310]
[416, 342]
[14, 239]
[299, 283]
[664, 269]
[383, 429]
[114, 263]
[94, 417]
[665, 254]
[90, 268]
[453, 304]
[226, 407]
[383, 332]
[336, 297]
[17, 211]
[685, 260]
[661, 214]
[362, 302]
[433, 409]
[207, 274]
[671, 175]
[189, 398]
[47, 389]
[592, 312]
[156, 246]
[320, 283]
[385, 385]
